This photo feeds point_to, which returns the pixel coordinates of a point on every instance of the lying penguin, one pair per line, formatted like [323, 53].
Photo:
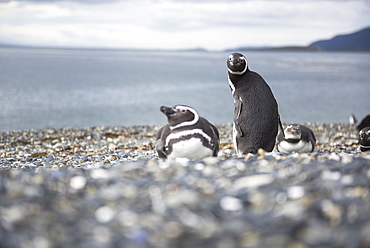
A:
[364, 139]
[298, 138]
[364, 131]
[186, 134]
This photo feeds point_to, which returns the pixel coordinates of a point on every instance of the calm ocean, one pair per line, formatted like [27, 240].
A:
[55, 88]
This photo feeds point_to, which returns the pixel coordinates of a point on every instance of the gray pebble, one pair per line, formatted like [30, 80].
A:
[105, 187]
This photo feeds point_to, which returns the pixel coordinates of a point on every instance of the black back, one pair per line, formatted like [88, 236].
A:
[307, 134]
[364, 123]
[258, 113]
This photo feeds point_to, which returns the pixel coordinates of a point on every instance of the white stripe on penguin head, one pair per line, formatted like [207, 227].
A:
[186, 123]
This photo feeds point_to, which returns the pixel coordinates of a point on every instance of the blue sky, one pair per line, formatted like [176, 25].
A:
[178, 24]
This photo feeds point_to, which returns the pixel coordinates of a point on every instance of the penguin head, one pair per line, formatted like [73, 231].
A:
[237, 64]
[364, 137]
[293, 131]
[180, 116]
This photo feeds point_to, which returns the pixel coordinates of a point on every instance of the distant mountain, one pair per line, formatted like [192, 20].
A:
[282, 49]
[358, 41]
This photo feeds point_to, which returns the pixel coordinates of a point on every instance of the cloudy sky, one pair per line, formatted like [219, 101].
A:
[178, 24]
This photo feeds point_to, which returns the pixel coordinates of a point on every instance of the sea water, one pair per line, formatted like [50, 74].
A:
[55, 88]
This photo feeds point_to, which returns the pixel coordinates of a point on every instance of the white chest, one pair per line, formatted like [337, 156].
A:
[191, 148]
[184, 144]
[300, 147]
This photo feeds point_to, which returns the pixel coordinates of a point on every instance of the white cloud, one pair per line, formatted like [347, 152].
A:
[178, 24]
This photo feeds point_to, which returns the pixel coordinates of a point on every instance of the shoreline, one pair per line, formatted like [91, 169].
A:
[75, 146]
[105, 187]
[328, 135]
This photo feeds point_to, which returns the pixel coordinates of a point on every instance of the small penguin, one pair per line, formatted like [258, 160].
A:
[298, 138]
[364, 139]
[256, 116]
[186, 134]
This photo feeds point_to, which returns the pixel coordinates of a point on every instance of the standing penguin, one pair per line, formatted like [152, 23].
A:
[186, 135]
[256, 116]
[298, 138]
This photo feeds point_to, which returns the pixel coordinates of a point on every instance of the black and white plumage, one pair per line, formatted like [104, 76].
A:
[364, 139]
[256, 116]
[298, 138]
[186, 135]
[365, 122]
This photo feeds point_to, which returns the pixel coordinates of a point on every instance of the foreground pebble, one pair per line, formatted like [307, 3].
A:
[105, 187]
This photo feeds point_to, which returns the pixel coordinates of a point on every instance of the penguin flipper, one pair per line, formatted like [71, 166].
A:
[238, 128]
[159, 146]
[159, 143]
[238, 103]
[238, 107]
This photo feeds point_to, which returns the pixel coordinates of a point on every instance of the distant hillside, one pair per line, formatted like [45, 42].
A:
[358, 41]
[282, 49]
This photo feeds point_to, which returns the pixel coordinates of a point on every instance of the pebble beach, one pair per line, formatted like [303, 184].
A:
[106, 187]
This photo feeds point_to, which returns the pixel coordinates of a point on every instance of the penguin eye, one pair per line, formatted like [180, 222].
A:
[180, 109]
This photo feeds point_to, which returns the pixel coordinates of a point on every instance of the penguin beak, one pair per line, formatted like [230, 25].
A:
[167, 110]
[233, 60]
